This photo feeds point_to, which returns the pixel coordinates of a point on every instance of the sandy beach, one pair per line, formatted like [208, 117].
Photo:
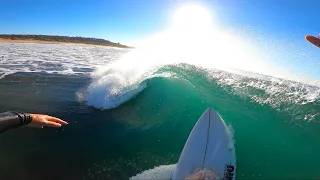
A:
[4, 40]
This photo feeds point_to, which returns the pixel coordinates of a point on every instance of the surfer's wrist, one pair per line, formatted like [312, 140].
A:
[24, 118]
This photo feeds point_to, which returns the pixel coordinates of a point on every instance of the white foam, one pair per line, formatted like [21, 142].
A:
[230, 133]
[163, 172]
[111, 91]
[272, 91]
[54, 58]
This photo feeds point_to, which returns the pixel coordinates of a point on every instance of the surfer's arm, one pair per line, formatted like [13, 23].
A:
[10, 120]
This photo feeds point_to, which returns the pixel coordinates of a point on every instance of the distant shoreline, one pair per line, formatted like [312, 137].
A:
[45, 39]
[3, 40]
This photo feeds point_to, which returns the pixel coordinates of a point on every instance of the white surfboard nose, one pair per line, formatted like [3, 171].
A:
[207, 147]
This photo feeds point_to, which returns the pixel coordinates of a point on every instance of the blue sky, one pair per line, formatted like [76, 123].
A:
[280, 24]
[118, 20]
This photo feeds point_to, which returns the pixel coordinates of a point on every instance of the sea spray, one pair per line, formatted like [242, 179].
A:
[163, 172]
[209, 51]
[112, 87]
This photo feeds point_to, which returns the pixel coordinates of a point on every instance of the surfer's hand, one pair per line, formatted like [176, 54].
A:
[40, 120]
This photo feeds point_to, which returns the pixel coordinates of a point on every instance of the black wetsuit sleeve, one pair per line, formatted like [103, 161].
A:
[10, 120]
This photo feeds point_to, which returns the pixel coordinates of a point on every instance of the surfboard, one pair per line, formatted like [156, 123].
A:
[313, 40]
[209, 146]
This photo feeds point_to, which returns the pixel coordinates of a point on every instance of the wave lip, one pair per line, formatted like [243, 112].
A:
[111, 91]
[112, 87]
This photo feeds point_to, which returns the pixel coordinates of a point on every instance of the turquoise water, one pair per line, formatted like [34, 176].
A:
[275, 124]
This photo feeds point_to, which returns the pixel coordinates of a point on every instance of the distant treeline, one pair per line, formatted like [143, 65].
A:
[77, 39]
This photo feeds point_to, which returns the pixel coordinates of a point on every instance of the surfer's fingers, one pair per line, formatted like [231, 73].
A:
[56, 120]
[52, 124]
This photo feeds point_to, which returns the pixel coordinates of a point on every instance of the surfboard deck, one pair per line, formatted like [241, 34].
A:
[313, 40]
[209, 146]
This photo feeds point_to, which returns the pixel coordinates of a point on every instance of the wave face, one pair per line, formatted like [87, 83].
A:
[112, 88]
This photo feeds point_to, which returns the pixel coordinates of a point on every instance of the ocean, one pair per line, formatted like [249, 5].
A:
[128, 115]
